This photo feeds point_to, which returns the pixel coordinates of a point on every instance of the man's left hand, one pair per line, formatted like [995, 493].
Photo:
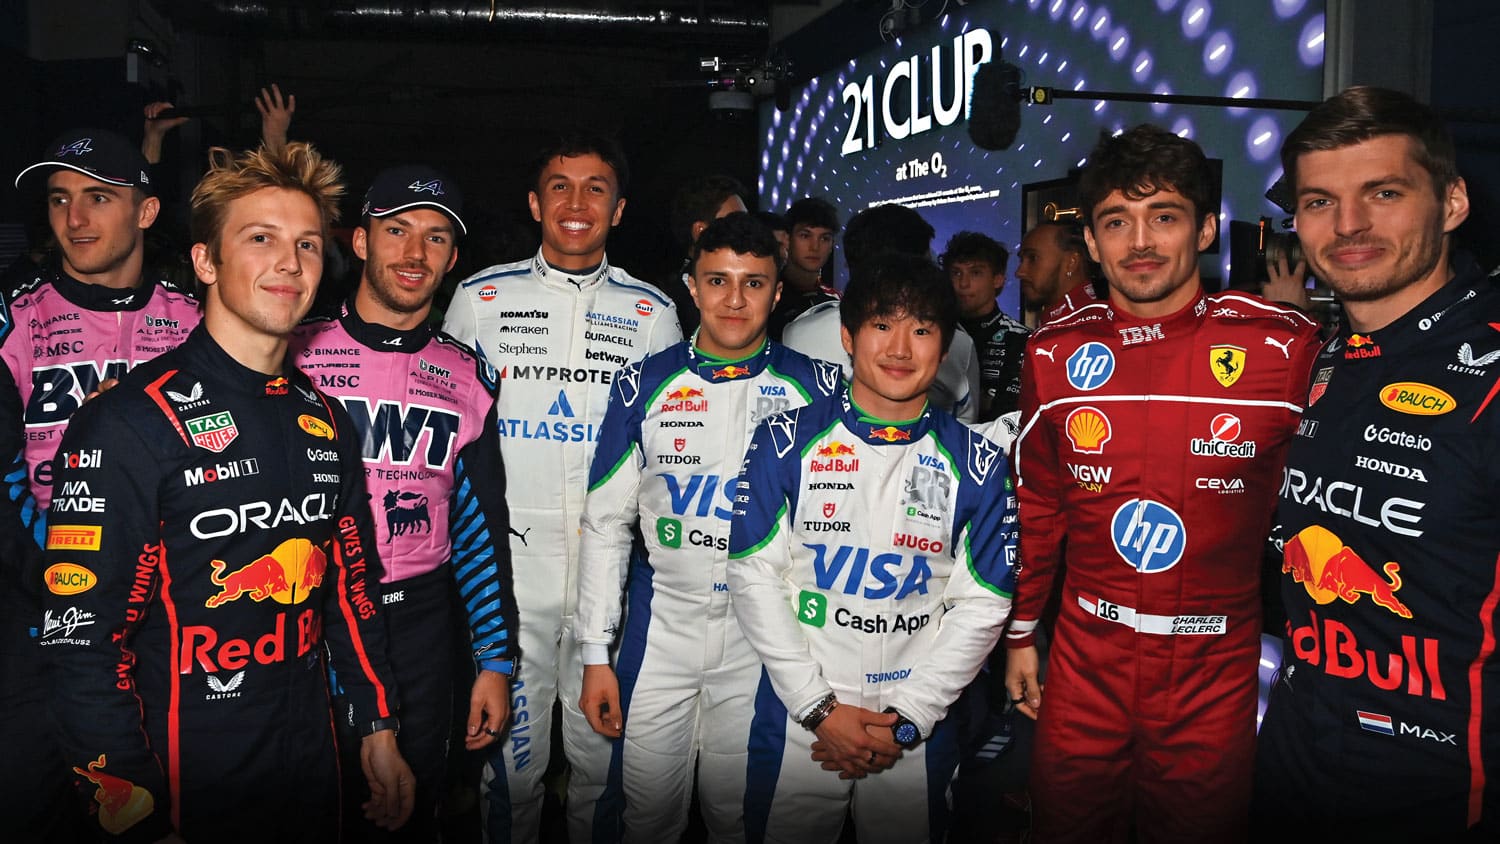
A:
[489, 709]
[392, 784]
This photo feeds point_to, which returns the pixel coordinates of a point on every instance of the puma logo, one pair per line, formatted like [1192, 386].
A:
[1284, 347]
[1046, 353]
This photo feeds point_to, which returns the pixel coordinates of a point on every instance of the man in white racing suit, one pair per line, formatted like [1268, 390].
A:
[557, 327]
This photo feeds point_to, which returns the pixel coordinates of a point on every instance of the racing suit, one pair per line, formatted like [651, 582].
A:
[1385, 720]
[873, 560]
[208, 535]
[1083, 293]
[423, 408]
[557, 338]
[1147, 468]
[1001, 345]
[673, 439]
[816, 334]
[59, 338]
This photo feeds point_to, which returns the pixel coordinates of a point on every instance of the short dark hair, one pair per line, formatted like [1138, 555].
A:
[773, 221]
[894, 283]
[1364, 112]
[740, 232]
[812, 211]
[571, 143]
[886, 228]
[1141, 161]
[698, 200]
[973, 246]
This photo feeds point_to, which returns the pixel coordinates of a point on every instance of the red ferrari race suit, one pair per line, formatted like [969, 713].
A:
[1147, 468]
[1385, 723]
[208, 534]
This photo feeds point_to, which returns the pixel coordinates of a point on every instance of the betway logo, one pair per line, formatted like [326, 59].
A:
[1397, 515]
[855, 572]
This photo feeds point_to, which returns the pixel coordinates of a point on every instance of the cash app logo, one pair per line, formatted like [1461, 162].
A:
[669, 533]
[812, 608]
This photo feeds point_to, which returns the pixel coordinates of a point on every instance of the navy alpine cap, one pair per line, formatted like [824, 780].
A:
[414, 186]
[96, 153]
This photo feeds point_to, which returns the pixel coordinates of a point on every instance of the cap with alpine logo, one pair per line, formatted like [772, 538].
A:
[96, 153]
[414, 186]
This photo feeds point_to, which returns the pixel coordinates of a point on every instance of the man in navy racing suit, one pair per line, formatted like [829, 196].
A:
[1385, 723]
[674, 437]
[870, 567]
[217, 531]
[423, 407]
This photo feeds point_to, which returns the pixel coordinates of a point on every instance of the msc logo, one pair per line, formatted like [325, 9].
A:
[1416, 399]
[1090, 366]
[873, 576]
[1148, 535]
[391, 431]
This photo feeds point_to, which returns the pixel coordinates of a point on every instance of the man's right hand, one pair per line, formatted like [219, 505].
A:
[600, 700]
[1021, 666]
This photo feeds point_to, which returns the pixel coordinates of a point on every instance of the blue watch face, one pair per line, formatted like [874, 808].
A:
[906, 733]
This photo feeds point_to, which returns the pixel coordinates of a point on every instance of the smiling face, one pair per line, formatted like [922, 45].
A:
[1148, 249]
[1373, 227]
[99, 227]
[735, 293]
[406, 256]
[896, 359]
[269, 262]
[577, 200]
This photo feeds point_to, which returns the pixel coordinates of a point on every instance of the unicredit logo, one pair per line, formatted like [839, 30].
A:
[1223, 441]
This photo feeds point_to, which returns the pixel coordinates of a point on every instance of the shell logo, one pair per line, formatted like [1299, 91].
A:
[315, 426]
[1088, 429]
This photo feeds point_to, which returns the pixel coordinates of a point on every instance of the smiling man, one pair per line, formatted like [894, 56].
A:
[558, 328]
[1147, 469]
[89, 315]
[683, 688]
[870, 569]
[423, 407]
[1387, 702]
[218, 536]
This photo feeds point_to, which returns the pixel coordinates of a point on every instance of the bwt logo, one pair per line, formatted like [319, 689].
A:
[391, 430]
[58, 391]
[1148, 535]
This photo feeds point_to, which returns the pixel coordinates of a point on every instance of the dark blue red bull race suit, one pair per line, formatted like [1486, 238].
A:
[209, 531]
[1386, 718]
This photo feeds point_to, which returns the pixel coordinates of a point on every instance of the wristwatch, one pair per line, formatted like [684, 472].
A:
[904, 731]
[392, 723]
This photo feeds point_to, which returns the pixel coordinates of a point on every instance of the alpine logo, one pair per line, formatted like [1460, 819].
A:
[434, 187]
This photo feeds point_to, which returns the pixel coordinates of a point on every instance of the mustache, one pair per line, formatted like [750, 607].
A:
[1148, 256]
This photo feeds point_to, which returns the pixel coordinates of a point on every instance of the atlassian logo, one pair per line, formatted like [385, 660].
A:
[874, 577]
[1148, 535]
[1090, 366]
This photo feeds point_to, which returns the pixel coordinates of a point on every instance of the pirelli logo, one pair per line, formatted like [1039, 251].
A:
[73, 537]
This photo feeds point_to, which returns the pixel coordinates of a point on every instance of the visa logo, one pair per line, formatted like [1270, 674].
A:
[880, 576]
[932, 461]
[698, 495]
[772, 390]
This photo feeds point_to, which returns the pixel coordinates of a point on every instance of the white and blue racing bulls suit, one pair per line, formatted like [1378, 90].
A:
[674, 437]
[875, 560]
[557, 339]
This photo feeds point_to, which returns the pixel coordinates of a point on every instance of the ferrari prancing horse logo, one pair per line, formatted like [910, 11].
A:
[1227, 363]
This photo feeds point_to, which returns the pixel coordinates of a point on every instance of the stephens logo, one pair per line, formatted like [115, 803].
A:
[214, 432]
[1088, 429]
[889, 433]
[1416, 399]
[315, 426]
[1328, 569]
[1224, 431]
[287, 575]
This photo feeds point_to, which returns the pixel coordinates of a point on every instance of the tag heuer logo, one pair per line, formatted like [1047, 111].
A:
[214, 432]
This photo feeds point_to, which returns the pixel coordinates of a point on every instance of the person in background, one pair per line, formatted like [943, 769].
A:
[814, 226]
[1053, 270]
[976, 266]
[698, 202]
[558, 327]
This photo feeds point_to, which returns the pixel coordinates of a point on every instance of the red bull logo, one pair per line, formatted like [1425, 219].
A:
[1329, 569]
[839, 458]
[889, 433]
[730, 371]
[121, 802]
[1332, 646]
[682, 400]
[1360, 346]
[207, 648]
[287, 575]
[276, 386]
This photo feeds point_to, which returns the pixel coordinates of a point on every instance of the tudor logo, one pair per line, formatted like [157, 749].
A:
[679, 443]
[829, 508]
[1416, 399]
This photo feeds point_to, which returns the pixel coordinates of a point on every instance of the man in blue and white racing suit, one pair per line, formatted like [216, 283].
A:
[871, 567]
[674, 437]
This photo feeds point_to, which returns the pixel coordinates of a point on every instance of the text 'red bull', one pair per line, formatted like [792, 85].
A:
[1332, 645]
[201, 645]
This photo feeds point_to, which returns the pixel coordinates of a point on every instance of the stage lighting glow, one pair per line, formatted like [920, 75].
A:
[1287, 8]
[1310, 43]
[1142, 66]
[1099, 27]
[1163, 89]
[1217, 52]
[1119, 42]
[1079, 15]
[1195, 18]
[1263, 141]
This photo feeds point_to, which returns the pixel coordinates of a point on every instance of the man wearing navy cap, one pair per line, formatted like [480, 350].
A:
[80, 322]
[424, 407]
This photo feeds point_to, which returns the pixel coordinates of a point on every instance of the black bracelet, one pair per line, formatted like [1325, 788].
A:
[392, 723]
[820, 711]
